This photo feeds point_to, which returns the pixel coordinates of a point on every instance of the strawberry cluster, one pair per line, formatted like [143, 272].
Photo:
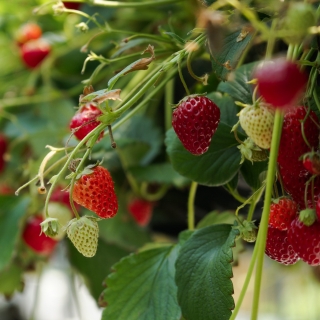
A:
[33, 48]
[293, 235]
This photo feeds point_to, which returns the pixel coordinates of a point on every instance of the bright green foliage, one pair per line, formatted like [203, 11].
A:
[203, 274]
[142, 286]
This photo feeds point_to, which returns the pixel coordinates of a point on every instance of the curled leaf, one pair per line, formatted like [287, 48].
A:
[101, 96]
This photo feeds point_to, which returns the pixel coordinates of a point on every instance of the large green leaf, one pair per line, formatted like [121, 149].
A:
[12, 209]
[94, 270]
[203, 272]
[139, 130]
[143, 287]
[216, 217]
[238, 88]
[215, 167]
[233, 47]
[159, 173]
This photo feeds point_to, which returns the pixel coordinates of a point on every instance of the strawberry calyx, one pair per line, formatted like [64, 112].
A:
[308, 216]
[250, 151]
[248, 230]
[50, 227]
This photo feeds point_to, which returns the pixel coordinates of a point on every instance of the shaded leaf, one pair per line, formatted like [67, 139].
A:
[159, 173]
[251, 173]
[216, 217]
[11, 280]
[215, 167]
[237, 87]
[233, 47]
[203, 272]
[12, 209]
[142, 287]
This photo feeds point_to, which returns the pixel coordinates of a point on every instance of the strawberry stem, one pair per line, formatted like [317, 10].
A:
[182, 79]
[263, 229]
[192, 194]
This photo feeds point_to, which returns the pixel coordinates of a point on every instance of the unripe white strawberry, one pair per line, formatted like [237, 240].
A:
[84, 233]
[257, 121]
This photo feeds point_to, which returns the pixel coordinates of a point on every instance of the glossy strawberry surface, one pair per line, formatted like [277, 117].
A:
[294, 175]
[195, 121]
[278, 247]
[95, 191]
[305, 241]
[282, 213]
[84, 121]
[281, 82]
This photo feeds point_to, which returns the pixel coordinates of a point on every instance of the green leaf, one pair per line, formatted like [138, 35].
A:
[230, 53]
[215, 167]
[12, 209]
[228, 108]
[11, 280]
[123, 230]
[143, 288]
[216, 217]
[251, 173]
[203, 272]
[140, 138]
[94, 270]
[158, 173]
[238, 88]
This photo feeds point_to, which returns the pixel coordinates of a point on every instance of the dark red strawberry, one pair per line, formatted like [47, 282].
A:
[84, 121]
[281, 82]
[72, 5]
[3, 150]
[311, 162]
[34, 52]
[36, 240]
[282, 212]
[195, 120]
[318, 208]
[141, 210]
[28, 31]
[305, 241]
[292, 146]
[95, 191]
[278, 248]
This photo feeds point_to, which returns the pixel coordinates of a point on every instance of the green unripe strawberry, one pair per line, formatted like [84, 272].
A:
[250, 151]
[63, 214]
[257, 121]
[84, 233]
[299, 18]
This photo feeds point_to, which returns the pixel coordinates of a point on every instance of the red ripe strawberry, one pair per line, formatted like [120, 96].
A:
[311, 161]
[84, 121]
[195, 120]
[3, 150]
[39, 243]
[27, 32]
[278, 248]
[318, 209]
[33, 52]
[61, 196]
[305, 241]
[72, 5]
[141, 210]
[282, 212]
[292, 146]
[281, 82]
[95, 191]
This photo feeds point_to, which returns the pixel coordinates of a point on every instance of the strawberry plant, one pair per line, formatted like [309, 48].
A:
[161, 144]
